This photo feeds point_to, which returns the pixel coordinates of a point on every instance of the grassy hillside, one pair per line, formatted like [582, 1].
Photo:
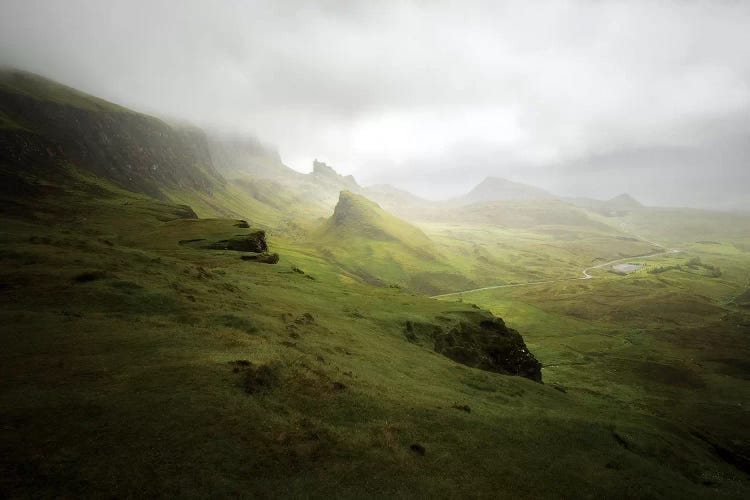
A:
[382, 249]
[138, 365]
[52, 123]
[356, 216]
[335, 385]
[45, 90]
[141, 358]
[668, 340]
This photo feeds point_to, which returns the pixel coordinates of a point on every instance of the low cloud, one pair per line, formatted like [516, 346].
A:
[430, 95]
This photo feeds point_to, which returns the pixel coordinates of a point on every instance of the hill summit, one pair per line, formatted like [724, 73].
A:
[356, 216]
[499, 189]
[623, 202]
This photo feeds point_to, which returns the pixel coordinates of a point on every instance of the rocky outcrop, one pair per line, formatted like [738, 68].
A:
[480, 340]
[326, 175]
[265, 258]
[356, 216]
[252, 242]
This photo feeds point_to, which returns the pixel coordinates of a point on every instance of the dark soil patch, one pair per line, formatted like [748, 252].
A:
[88, 276]
[418, 449]
[305, 319]
[261, 379]
[733, 367]
[238, 323]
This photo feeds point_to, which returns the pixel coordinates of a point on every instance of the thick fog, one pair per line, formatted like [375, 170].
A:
[582, 98]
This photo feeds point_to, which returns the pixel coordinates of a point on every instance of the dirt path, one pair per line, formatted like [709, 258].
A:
[585, 272]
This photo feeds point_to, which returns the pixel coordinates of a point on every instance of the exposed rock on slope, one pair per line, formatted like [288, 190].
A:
[480, 340]
[253, 242]
[326, 175]
[44, 122]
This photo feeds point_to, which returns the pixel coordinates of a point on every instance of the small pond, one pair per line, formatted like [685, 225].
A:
[626, 268]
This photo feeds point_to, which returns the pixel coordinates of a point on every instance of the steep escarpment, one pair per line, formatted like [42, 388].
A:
[325, 175]
[44, 123]
[241, 156]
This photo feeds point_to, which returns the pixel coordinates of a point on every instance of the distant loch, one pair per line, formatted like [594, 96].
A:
[626, 268]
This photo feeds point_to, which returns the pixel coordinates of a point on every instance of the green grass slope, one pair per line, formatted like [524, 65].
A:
[382, 249]
[137, 362]
[132, 364]
[356, 216]
[45, 90]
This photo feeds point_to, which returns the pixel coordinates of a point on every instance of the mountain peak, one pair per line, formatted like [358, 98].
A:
[353, 208]
[500, 189]
[625, 199]
[357, 216]
[327, 175]
[321, 168]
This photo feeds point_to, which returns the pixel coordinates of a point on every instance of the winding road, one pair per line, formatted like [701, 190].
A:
[585, 272]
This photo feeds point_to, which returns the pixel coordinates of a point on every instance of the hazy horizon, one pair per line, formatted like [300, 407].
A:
[578, 98]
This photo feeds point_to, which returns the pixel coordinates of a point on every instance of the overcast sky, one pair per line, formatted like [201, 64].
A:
[584, 98]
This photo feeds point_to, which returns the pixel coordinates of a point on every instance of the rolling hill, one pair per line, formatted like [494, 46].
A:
[499, 189]
[148, 350]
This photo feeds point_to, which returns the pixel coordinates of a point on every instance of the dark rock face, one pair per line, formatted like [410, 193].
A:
[253, 242]
[138, 152]
[265, 258]
[480, 340]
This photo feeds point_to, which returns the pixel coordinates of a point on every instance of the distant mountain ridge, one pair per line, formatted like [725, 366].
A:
[500, 189]
[619, 205]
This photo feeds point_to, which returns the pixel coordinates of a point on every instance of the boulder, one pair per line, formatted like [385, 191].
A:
[252, 242]
[480, 340]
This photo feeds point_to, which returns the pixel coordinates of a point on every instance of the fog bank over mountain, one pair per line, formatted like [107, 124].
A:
[579, 98]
